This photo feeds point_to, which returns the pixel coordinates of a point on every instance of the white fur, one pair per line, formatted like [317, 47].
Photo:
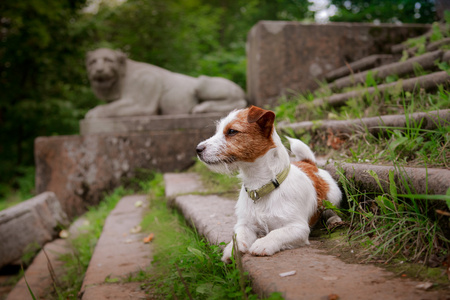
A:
[278, 220]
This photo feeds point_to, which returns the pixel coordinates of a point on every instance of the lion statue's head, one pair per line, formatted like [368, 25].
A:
[106, 69]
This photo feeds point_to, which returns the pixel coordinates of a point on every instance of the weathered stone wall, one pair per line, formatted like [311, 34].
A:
[79, 169]
[292, 56]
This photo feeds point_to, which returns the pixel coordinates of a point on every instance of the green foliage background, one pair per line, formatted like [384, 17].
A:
[43, 84]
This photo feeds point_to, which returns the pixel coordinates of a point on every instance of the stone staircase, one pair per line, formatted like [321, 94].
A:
[315, 274]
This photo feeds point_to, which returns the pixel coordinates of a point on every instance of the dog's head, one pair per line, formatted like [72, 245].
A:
[243, 136]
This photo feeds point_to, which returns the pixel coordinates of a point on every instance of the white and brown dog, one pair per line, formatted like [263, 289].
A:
[279, 200]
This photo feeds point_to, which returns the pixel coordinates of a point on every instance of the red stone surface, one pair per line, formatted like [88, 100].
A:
[38, 274]
[182, 183]
[79, 169]
[118, 252]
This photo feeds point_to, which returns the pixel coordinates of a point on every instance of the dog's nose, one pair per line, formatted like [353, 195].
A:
[200, 148]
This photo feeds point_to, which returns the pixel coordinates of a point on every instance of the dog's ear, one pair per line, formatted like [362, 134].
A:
[264, 118]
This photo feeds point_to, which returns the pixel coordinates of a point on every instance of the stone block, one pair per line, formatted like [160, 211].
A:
[79, 169]
[292, 56]
[148, 123]
[34, 221]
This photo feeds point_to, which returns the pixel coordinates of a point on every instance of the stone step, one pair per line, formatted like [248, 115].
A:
[317, 274]
[366, 63]
[38, 273]
[404, 45]
[426, 61]
[118, 254]
[420, 180]
[426, 82]
[374, 125]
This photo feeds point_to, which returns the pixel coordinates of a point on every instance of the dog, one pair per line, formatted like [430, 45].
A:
[279, 201]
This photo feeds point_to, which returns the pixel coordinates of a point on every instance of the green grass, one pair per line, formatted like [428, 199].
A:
[185, 265]
[216, 183]
[403, 232]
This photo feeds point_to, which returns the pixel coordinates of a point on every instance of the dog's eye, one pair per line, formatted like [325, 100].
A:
[232, 132]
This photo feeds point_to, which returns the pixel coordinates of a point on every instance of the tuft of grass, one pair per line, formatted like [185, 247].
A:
[393, 226]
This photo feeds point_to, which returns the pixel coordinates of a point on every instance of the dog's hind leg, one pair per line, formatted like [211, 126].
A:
[331, 218]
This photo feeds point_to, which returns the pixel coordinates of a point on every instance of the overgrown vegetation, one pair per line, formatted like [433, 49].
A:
[393, 226]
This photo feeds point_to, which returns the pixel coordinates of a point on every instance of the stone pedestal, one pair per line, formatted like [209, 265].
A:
[288, 57]
[79, 169]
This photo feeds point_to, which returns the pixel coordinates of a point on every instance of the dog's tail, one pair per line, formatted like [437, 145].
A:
[301, 150]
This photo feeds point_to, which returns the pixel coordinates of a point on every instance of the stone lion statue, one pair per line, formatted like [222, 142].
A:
[135, 88]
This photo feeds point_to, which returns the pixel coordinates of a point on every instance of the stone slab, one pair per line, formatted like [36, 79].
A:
[318, 275]
[212, 216]
[118, 252]
[291, 56]
[117, 291]
[374, 125]
[419, 180]
[79, 169]
[363, 64]
[182, 183]
[38, 274]
[148, 123]
[33, 221]
[426, 61]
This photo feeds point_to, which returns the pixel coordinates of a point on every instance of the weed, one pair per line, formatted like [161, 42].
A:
[391, 225]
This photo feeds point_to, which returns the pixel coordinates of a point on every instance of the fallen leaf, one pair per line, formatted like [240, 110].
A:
[138, 203]
[149, 238]
[334, 141]
[136, 229]
[444, 213]
[128, 241]
[333, 297]
[64, 234]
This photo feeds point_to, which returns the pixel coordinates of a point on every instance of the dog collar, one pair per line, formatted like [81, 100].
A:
[269, 187]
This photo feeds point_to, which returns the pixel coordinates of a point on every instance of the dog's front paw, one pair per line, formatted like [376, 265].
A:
[264, 247]
[228, 251]
[226, 257]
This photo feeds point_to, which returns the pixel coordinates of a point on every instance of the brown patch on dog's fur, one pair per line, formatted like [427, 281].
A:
[320, 185]
[254, 136]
